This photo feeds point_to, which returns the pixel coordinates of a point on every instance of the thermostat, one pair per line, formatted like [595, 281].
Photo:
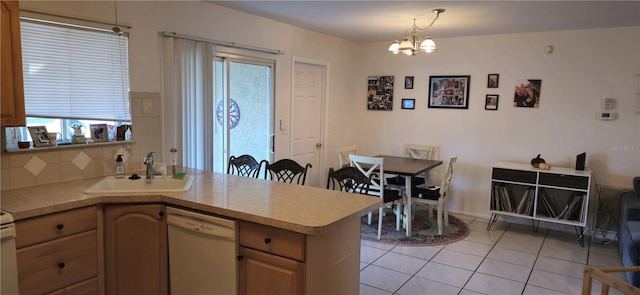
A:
[606, 116]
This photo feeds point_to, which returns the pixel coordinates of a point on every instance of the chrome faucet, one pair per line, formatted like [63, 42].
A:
[148, 160]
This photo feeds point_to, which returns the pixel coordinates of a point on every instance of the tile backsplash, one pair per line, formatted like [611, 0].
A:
[51, 165]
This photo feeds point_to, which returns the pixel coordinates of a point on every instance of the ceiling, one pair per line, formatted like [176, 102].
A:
[373, 21]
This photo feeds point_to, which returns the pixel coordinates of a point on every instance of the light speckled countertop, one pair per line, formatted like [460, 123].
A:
[297, 208]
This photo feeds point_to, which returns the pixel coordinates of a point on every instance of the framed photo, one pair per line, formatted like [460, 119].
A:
[99, 132]
[39, 136]
[408, 82]
[450, 92]
[380, 93]
[493, 80]
[527, 93]
[491, 102]
[408, 103]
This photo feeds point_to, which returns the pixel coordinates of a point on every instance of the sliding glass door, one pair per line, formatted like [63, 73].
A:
[243, 98]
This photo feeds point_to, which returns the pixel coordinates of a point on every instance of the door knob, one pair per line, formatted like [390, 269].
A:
[318, 145]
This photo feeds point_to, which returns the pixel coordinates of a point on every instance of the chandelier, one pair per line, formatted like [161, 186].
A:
[416, 39]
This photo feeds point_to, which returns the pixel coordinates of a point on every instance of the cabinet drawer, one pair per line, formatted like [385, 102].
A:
[273, 240]
[564, 180]
[46, 228]
[88, 287]
[514, 175]
[56, 264]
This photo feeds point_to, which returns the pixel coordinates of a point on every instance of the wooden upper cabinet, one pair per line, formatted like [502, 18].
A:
[12, 87]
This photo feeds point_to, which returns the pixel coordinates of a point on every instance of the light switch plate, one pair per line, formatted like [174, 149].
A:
[147, 106]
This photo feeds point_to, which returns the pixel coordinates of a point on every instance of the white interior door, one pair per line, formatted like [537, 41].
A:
[307, 105]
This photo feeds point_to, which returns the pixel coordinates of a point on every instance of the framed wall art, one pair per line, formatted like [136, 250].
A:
[380, 93]
[493, 80]
[527, 93]
[408, 103]
[408, 82]
[99, 132]
[491, 102]
[40, 136]
[449, 92]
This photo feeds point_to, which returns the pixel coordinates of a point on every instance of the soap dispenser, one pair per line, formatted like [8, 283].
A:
[119, 167]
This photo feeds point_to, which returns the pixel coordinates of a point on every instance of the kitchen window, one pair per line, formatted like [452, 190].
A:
[73, 76]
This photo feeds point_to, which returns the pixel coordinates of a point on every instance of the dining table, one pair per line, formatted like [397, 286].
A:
[409, 168]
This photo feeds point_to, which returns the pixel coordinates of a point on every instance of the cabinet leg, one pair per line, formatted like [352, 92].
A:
[535, 225]
[494, 218]
[580, 235]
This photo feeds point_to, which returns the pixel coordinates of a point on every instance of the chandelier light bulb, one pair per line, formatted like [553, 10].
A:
[394, 47]
[413, 42]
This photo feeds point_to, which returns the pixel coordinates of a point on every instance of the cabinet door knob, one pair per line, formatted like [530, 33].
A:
[61, 265]
[267, 240]
[60, 226]
[160, 213]
[240, 257]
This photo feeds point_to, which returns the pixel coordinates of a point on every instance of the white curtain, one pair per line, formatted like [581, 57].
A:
[188, 101]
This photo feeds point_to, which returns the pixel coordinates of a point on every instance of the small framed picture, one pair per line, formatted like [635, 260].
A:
[40, 136]
[408, 82]
[99, 132]
[493, 80]
[491, 102]
[408, 103]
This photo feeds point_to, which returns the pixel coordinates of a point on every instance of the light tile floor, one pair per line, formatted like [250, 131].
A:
[508, 259]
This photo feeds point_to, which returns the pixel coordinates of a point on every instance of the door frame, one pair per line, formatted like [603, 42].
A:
[323, 115]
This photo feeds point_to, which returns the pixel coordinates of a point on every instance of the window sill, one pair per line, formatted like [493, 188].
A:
[68, 146]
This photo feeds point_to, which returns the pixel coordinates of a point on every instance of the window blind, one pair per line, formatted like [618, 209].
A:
[74, 72]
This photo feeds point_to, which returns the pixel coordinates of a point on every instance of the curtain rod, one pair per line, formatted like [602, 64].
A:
[224, 43]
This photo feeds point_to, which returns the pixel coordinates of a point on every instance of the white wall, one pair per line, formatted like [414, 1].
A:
[585, 67]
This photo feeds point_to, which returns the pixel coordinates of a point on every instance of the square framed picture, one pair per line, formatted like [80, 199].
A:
[408, 103]
[99, 132]
[450, 92]
[40, 136]
[408, 82]
[491, 102]
[493, 80]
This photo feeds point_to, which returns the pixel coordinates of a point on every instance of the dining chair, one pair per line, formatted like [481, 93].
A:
[413, 151]
[436, 195]
[344, 152]
[373, 168]
[348, 179]
[244, 165]
[286, 170]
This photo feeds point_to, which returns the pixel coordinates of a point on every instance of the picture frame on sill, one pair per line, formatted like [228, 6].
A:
[99, 132]
[491, 102]
[450, 92]
[493, 80]
[408, 103]
[408, 82]
[39, 136]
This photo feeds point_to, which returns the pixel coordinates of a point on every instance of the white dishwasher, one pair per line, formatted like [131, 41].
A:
[202, 253]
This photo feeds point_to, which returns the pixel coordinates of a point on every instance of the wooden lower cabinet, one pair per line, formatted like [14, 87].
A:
[136, 249]
[277, 261]
[58, 251]
[268, 274]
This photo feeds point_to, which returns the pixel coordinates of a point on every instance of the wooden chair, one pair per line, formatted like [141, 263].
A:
[244, 165]
[436, 195]
[373, 168]
[608, 281]
[286, 170]
[348, 179]
[344, 152]
[413, 151]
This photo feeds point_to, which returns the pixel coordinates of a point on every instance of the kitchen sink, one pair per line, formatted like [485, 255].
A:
[111, 185]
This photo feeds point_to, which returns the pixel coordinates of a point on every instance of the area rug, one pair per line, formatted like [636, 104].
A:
[424, 232]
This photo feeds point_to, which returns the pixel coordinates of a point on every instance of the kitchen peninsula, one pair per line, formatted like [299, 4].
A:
[328, 223]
